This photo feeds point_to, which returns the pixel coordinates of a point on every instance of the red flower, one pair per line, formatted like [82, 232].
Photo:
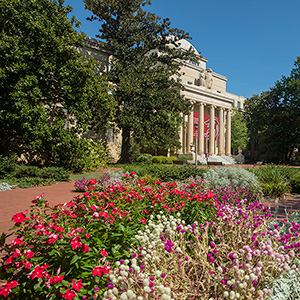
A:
[29, 254]
[99, 270]
[93, 181]
[132, 173]
[77, 285]
[85, 248]
[76, 242]
[56, 279]
[103, 252]
[69, 294]
[143, 221]
[6, 289]
[19, 218]
[39, 272]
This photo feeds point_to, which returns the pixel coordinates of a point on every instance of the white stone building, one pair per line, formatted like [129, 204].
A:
[212, 105]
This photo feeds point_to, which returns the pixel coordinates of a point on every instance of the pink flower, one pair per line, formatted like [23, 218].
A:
[103, 252]
[69, 294]
[77, 285]
[76, 242]
[93, 181]
[6, 289]
[56, 279]
[19, 218]
[85, 248]
[99, 270]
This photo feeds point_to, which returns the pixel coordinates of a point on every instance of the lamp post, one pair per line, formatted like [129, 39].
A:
[196, 151]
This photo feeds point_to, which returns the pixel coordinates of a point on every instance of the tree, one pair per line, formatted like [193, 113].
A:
[49, 94]
[239, 132]
[146, 60]
[274, 117]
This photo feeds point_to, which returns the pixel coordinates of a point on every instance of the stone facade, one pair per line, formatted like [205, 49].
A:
[205, 89]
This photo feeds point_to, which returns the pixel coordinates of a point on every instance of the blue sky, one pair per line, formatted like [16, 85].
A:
[252, 43]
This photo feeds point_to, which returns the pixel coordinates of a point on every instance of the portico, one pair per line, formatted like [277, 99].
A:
[211, 109]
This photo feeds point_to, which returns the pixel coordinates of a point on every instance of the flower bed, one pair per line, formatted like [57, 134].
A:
[125, 239]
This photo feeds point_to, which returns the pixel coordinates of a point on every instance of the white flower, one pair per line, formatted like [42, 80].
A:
[226, 294]
[124, 296]
[232, 295]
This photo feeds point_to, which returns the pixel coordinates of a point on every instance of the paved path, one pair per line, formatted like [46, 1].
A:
[18, 200]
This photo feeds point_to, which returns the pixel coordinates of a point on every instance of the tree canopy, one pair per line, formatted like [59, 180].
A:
[146, 59]
[273, 117]
[239, 132]
[49, 94]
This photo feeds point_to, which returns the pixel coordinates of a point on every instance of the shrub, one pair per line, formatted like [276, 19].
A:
[146, 158]
[185, 157]
[236, 177]
[167, 173]
[159, 159]
[273, 180]
[55, 173]
[83, 155]
[7, 164]
[295, 181]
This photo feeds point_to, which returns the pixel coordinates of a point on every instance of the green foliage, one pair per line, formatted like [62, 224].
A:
[236, 177]
[49, 93]
[163, 159]
[145, 158]
[295, 181]
[146, 92]
[166, 173]
[273, 180]
[7, 164]
[273, 118]
[239, 132]
[83, 155]
[27, 176]
[185, 157]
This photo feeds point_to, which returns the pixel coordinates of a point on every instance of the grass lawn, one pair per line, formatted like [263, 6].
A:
[87, 176]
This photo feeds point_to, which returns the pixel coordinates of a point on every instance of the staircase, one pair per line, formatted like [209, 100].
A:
[225, 160]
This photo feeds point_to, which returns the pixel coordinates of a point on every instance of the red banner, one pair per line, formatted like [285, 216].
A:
[207, 128]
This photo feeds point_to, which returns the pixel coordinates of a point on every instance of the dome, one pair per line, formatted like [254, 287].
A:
[184, 44]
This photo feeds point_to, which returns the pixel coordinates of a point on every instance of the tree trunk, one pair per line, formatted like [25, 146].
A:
[124, 159]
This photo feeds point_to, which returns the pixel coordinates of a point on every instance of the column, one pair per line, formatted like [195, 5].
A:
[228, 133]
[184, 135]
[211, 149]
[201, 129]
[190, 131]
[180, 149]
[222, 131]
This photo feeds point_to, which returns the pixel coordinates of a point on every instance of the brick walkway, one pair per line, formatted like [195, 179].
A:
[18, 200]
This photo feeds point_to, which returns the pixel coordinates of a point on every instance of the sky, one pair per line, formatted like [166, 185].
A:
[251, 42]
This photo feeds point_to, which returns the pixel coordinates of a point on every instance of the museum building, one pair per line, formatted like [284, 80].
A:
[205, 89]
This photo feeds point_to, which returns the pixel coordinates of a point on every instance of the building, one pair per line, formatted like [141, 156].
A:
[206, 90]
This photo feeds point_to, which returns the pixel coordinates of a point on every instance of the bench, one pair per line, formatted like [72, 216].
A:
[215, 163]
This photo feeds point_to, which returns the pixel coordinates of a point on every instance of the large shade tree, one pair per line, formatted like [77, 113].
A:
[274, 117]
[147, 57]
[49, 94]
[239, 132]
